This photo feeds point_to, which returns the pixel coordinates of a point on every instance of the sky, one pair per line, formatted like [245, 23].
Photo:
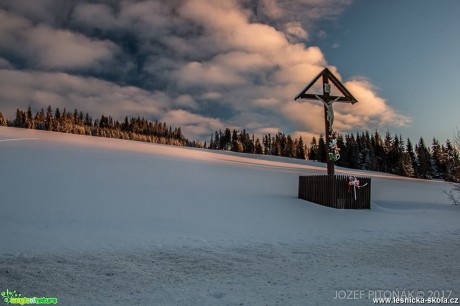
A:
[206, 65]
[408, 50]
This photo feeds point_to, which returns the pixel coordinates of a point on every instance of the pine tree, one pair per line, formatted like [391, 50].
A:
[276, 146]
[394, 155]
[267, 144]
[387, 146]
[452, 162]
[364, 151]
[321, 149]
[259, 149]
[125, 125]
[423, 160]
[29, 120]
[413, 158]
[211, 142]
[20, 120]
[80, 118]
[406, 165]
[75, 118]
[248, 144]
[300, 149]
[236, 144]
[89, 120]
[379, 163]
[453, 156]
[437, 170]
[40, 120]
[352, 149]
[221, 139]
[282, 144]
[57, 114]
[289, 147]
[313, 150]
[49, 118]
[227, 139]
[2, 120]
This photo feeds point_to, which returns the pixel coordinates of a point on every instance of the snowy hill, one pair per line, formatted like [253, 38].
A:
[128, 222]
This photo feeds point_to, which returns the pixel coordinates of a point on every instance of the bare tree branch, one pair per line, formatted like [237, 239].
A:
[451, 194]
[454, 193]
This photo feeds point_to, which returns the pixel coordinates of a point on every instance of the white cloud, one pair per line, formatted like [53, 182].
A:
[301, 15]
[47, 47]
[40, 11]
[91, 15]
[271, 9]
[10, 26]
[64, 49]
[295, 30]
[372, 109]
[211, 95]
[198, 74]
[4, 64]
[193, 125]
[186, 101]
[18, 89]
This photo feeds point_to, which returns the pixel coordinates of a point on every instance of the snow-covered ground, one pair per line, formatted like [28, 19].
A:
[96, 221]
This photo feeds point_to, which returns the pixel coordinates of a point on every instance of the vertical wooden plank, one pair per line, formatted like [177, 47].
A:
[299, 193]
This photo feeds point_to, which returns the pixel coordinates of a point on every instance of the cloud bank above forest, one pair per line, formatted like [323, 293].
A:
[200, 64]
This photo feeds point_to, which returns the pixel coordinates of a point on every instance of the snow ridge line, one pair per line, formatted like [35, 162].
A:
[16, 139]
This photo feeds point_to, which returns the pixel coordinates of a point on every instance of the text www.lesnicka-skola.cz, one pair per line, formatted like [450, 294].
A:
[416, 300]
[398, 296]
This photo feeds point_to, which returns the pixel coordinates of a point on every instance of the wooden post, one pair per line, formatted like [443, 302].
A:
[327, 94]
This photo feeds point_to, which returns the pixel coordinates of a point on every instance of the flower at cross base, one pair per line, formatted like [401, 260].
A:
[334, 150]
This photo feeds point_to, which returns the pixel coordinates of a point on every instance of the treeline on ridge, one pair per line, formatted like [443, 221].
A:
[134, 128]
[357, 151]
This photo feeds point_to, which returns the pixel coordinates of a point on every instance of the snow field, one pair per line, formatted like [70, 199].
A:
[121, 222]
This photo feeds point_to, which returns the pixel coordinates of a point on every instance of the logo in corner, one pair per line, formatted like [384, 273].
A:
[14, 297]
[8, 295]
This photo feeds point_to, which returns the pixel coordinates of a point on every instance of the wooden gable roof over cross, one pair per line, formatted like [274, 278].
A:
[327, 76]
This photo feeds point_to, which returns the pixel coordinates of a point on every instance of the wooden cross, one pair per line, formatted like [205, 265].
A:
[327, 100]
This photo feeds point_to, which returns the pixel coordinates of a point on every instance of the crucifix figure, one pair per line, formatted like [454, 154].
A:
[329, 111]
[327, 99]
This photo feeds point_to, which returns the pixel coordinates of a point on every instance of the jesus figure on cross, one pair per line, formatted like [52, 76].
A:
[329, 111]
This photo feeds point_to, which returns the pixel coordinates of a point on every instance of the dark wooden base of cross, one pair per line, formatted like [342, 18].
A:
[334, 191]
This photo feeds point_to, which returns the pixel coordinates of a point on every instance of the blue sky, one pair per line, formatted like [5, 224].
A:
[409, 50]
[206, 65]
